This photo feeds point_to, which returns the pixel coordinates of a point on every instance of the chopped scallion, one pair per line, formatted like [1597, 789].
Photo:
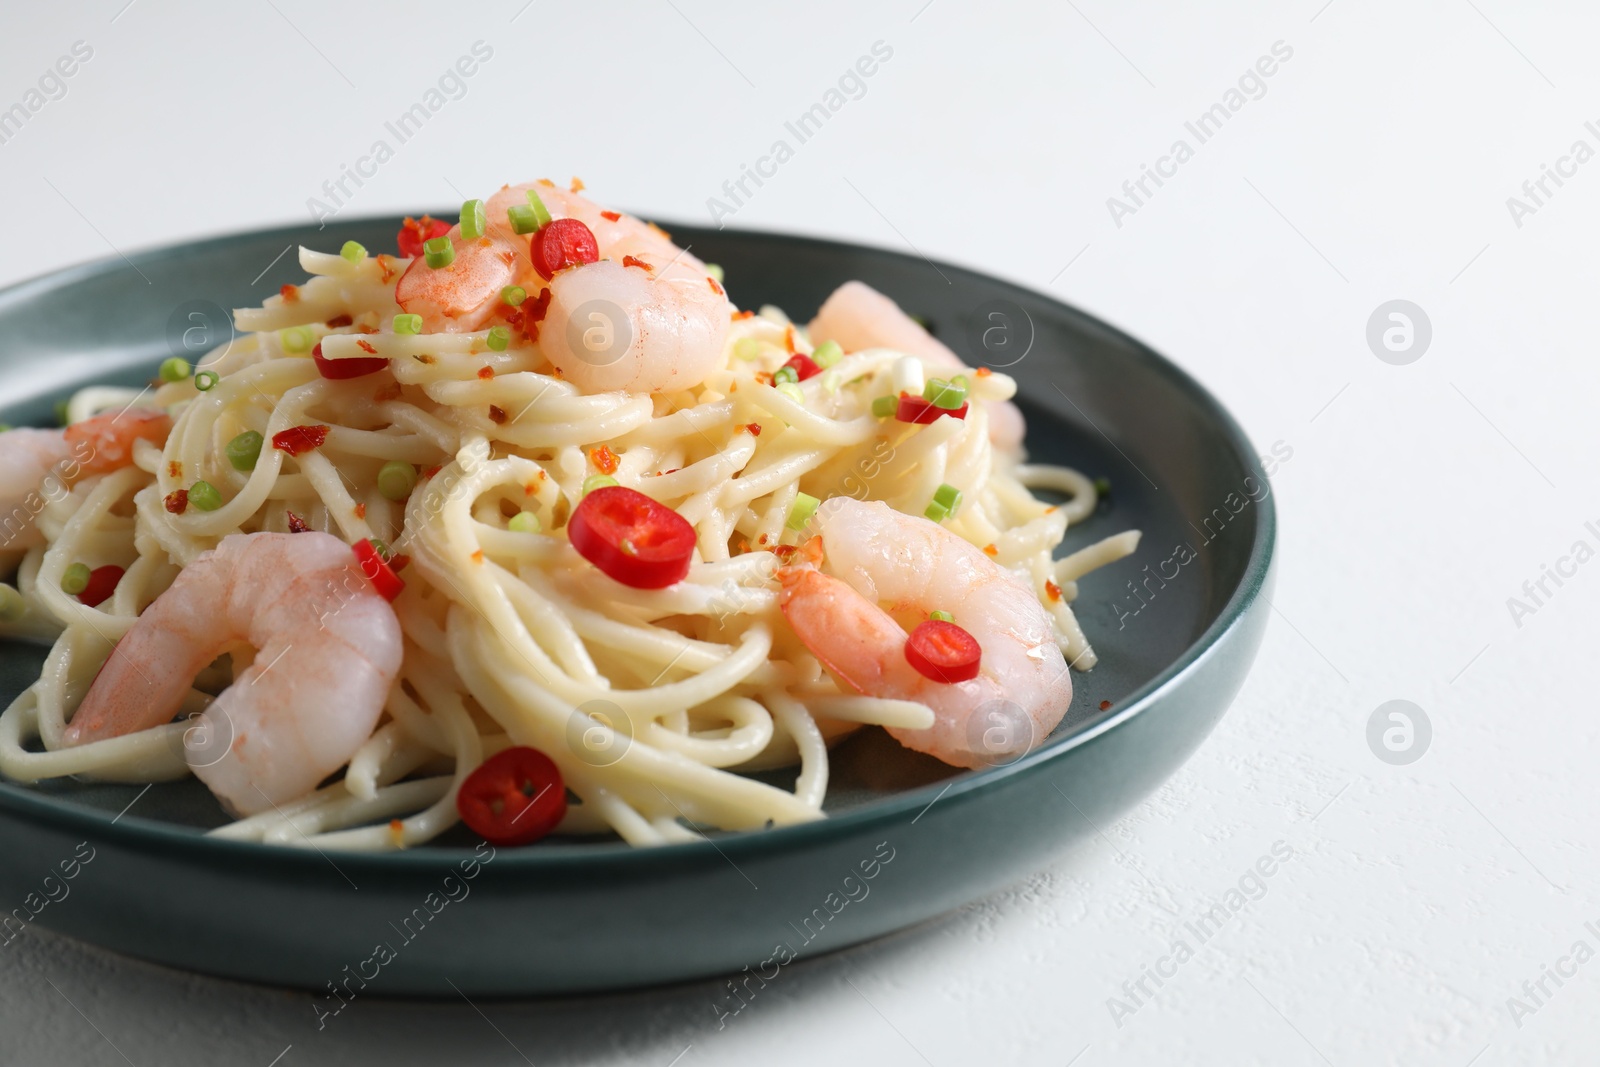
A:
[408, 324]
[827, 354]
[747, 349]
[499, 338]
[884, 406]
[523, 218]
[937, 512]
[513, 295]
[174, 370]
[297, 340]
[942, 394]
[792, 391]
[785, 373]
[245, 450]
[75, 579]
[204, 495]
[800, 513]
[941, 616]
[597, 481]
[438, 252]
[354, 251]
[541, 214]
[947, 496]
[473, 220]
[396, 480]
[524, 522]
[206, 381]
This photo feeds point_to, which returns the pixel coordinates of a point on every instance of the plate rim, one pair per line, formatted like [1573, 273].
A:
[20, 800]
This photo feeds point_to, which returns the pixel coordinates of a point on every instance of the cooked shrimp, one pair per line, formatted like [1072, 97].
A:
[645, 318]
[857, 316]
[40, 464]
[886, 564]
[328, 648]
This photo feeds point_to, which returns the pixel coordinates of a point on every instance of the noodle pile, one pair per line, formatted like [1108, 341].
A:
[649, 700]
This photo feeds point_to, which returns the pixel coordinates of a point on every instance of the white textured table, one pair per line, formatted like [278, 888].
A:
[1373, 164]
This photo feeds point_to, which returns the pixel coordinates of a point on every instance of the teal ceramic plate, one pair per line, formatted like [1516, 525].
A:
[1176, 627]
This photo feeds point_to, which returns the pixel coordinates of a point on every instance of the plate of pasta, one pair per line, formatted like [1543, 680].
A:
[629, 603]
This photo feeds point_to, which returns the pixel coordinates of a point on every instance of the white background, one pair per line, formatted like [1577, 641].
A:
[1419, 498]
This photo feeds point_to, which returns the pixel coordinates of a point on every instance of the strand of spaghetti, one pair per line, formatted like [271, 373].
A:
[303, 829]
[67, 550]
[148, 756]
[1104, 551]
[879, 711]
[1080, 490]
[812, 784]
[750, 733]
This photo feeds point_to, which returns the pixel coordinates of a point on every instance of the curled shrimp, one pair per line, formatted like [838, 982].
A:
[328, 648]
[885, 566]
[645, 318]
[857, 316]
[39, 465]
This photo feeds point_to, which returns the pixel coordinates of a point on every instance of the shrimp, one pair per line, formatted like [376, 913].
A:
[39, 465]
[645, 318]
[328, 648]
[911, 566]
[857, 316]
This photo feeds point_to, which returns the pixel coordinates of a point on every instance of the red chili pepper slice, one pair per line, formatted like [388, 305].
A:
[298, 440]
[388, 584]
[914, 409]
[102, 583]
[340, 369]
[632, 538]
[513, 798]
[415, 231]
[561, 244]
[943, 652]
[804, 366]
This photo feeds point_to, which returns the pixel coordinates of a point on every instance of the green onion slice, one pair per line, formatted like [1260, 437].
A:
[245, 450]
[473, 220]
[800, 513]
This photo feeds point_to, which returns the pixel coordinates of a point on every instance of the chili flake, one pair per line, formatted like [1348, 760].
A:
[477, 557]
[610, 215]
[991, 550]
[983, 372]
[337, 321]
[386, 264]
[366, 346]
[297, 524]
[497, 415]
[298, 440]
[752, 428]
[486, 373]
[1053, 590]
[715, 288]
[361, 511]
[175, 471]
[605, 460]
[1104, 704]
[177, 502]
[577, 184]
[290, 293]
[635, 261]
[431, 471]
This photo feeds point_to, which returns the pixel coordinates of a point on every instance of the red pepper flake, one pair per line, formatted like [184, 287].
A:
[547, 181]
[298, 440]
[175, 471]
[386, 264]
[1105, 704]
[577, 184]
[715, 288]
[746, 314]
[752, 428]
[991, 550]
[364, 328]
[497, 415]
[635, 261]
[486, 374]
[983, 372]
[762, 378]
[535, 311]
[1052, 590]
[366, 346]
[611, 216]
[290, 293]
[555, 372]
[604, 460]
[431, 471]
[788, 338]
[361, 511]
[338, 321]
[783, 552]
[297, 524]
[395, 826]
[477, 557]
[424, 359]
[763, 539]
[177, 502]
[392, 391]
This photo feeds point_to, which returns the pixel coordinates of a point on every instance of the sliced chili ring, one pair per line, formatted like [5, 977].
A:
[102, 583]
[388, 584]
[340, 369]
[415, 232]
[513, 798]
[943, 652]
[914, 409]
[633, 539]
[561, 244]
